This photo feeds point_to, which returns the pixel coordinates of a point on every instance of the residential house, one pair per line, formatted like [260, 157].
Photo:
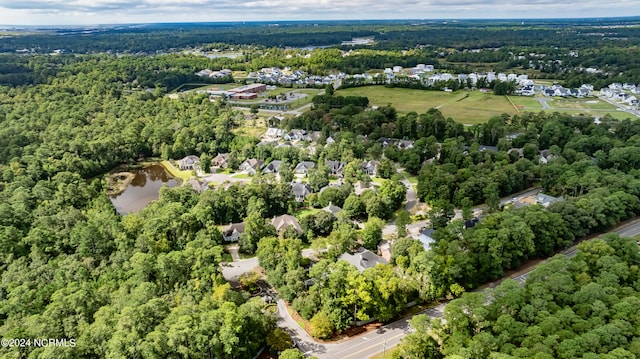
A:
[370, 167]
[329, 140]
[197, 185]
[251, 166]
[232, 232]
[545, 156]
[300, 190]
[405, 144]
[359, 188]
[304, 167]
[189, 163]
[483, 148]
[313, 136]
[561, 91]
[295, 135]
[272, 167]
[332, 209]
[546, 200]
[274, 132]
[221, 160]
[426, 238]
[335, 167]
[282, 222]
[363, 260]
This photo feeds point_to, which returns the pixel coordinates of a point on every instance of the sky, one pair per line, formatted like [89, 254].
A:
[92, 12]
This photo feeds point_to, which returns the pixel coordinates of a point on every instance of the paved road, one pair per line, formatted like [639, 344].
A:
[374, 343]
[412, 196]
[543, 102]
[362, 346]
[620, 106]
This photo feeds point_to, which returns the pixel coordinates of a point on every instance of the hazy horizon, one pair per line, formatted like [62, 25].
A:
[114, 12]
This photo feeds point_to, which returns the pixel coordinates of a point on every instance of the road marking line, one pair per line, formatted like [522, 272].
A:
[371, 346]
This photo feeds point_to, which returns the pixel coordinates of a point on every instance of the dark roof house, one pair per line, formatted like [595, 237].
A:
[300, 190]
[272, 167]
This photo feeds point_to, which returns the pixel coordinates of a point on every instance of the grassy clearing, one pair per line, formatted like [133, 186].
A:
[581, 104]
[175, 172]
[526, 103]
[571, 106]
[463, 106]
[241, 175]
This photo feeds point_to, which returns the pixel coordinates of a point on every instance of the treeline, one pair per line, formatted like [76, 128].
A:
[580, 156]
[340, 101]
[392, 35]
[583, 307]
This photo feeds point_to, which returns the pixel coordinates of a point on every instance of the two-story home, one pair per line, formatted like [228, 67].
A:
[250, 166]
[335, 167]
[221, 160]
[189, 163]
[370, 167]
[300, 191]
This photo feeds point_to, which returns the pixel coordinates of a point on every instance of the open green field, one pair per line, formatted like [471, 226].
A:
[588, 106]
[472, 107]
[462, 106]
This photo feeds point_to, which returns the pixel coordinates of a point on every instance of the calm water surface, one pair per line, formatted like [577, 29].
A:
[144, 188]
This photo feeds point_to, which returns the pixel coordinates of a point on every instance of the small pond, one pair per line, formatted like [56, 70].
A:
[143, 188]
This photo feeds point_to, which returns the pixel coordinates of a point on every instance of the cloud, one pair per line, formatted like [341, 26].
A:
[119, 11]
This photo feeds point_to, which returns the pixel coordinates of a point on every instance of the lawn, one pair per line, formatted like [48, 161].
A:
[175, 172]
[472, 107]
[241, 175]
[303, 212]
[573, 106]
[463, 106]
